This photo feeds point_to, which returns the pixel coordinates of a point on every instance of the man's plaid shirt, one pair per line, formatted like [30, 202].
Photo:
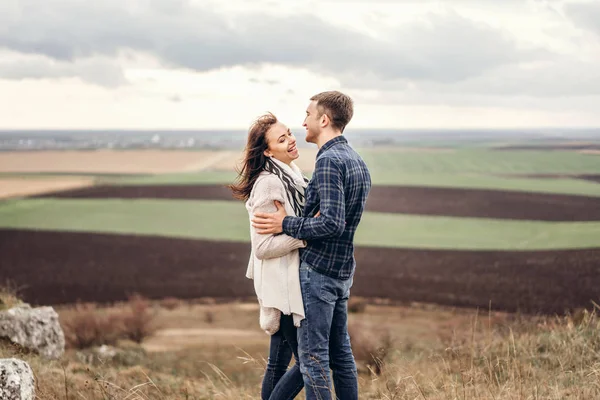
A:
[338, 189]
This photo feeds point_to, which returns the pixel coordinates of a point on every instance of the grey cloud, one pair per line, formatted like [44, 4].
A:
[555, 78]
[583, 104]
[442, 48]
[585, 15]
[96, 71]
[563, 77]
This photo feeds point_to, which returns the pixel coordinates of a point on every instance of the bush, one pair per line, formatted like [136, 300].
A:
[138, 320]
[356, 305]
[87, 326]
[170, 303]
[209, 316]
[370, 346]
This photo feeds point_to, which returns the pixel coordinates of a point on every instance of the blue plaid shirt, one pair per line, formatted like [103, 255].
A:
[339, 189]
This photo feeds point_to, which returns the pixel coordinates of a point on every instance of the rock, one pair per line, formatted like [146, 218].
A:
[35, 329]
[16, 380]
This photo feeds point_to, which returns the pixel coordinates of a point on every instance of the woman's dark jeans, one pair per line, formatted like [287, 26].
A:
[280, 383]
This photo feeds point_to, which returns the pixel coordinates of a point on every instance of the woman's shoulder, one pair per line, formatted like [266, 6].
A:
[267, 183]
[267, 178]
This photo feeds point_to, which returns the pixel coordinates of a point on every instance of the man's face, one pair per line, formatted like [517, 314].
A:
[312, 122]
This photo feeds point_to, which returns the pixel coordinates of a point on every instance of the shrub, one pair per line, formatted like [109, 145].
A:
[370, 346]
[209, 316]
[170, 303]
[138, 319]
[86, 326]
[356, 305]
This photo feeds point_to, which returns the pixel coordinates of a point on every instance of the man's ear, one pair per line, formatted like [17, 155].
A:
[324, 120]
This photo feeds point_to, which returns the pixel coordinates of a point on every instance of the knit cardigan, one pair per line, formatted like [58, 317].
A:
[274, 260]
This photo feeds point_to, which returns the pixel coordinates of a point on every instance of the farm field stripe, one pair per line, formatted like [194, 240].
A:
[400, 178]
[391, 199]
[64, 267]
[228, 221]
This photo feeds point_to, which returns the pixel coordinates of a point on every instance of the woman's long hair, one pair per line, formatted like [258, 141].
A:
[254, 157]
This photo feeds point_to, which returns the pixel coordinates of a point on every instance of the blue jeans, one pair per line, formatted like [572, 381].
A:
[279, 383]
[323, 340]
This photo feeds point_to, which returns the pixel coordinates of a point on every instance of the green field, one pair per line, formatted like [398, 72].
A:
[481, 161]
[472, 168]
[228, 221]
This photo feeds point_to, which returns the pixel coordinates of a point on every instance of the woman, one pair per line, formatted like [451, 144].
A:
[268, 174]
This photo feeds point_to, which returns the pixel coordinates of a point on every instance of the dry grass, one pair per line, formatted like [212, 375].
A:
[9, 296]
[466, 356]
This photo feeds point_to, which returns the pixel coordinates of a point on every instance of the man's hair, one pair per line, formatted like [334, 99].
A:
[338, 107]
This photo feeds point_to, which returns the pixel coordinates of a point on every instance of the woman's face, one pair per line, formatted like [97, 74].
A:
[281, 144]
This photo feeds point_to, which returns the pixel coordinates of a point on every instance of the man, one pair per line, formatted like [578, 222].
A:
[336, 196]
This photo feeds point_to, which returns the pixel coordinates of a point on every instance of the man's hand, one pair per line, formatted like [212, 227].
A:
[266, 223]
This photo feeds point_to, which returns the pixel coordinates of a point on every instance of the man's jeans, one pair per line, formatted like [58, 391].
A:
[323, 339]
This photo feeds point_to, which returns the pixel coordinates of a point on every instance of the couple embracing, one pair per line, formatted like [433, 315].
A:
[302, 258]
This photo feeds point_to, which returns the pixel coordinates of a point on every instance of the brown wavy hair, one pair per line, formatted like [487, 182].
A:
[254, 157]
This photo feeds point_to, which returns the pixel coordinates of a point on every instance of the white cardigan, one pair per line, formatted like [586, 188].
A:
[274, 260]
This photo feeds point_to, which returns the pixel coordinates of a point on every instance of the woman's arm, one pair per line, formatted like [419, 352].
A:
[268, 190]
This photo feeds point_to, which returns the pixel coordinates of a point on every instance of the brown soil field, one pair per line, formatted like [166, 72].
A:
[593, 178]
[20, 187]
[586, 177]
[397, 199]
[121, 162]
[404, 149]
[558, 146]
[62, 267]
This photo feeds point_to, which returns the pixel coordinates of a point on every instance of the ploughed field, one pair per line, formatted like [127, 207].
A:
[515, 229]
[64, 267]
[391, 199]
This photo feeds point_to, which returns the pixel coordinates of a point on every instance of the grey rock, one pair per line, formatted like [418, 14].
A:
[35, 329]
[16, 380]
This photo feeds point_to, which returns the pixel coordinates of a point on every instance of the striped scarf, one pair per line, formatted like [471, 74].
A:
[293, 188]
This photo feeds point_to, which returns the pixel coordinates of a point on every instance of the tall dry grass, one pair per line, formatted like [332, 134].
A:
[527, 358]
[9, 295]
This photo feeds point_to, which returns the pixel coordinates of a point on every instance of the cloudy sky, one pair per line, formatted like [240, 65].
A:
[199, 64]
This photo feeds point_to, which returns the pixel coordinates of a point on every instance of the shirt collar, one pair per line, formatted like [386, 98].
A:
[331, 143]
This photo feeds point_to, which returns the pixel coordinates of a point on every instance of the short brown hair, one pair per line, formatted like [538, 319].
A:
[338, 107]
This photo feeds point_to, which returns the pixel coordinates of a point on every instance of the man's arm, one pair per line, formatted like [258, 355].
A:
[331, 223]
[269, 190]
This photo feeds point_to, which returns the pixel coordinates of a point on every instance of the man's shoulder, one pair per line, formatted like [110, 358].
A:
[339, 155]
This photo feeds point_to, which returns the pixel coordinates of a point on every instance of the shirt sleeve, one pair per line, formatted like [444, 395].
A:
[329, 178]
[267, 190]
